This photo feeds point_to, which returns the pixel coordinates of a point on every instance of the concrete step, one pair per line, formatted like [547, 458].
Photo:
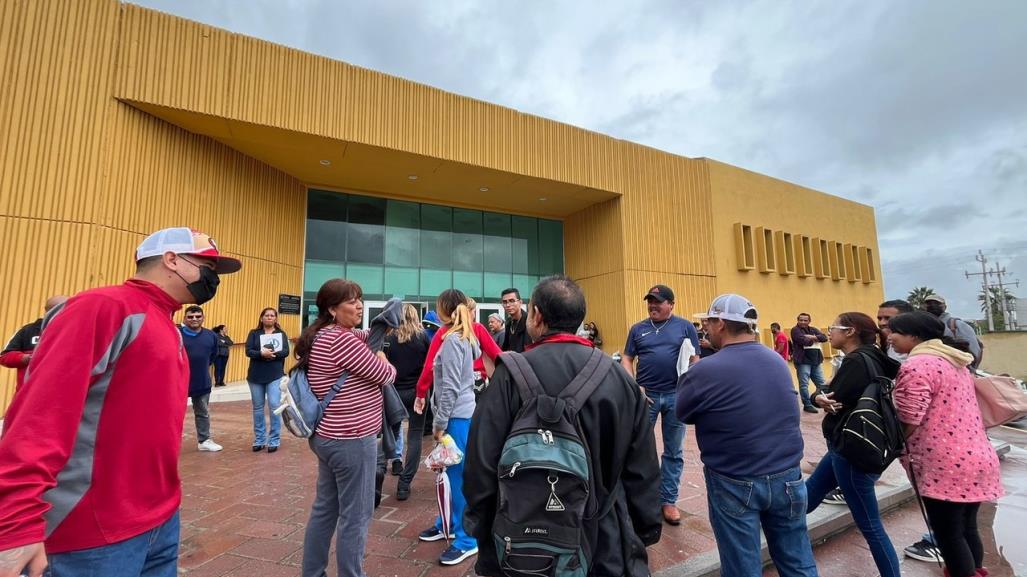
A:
[826, 522]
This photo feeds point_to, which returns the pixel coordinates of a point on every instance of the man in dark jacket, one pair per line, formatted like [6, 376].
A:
[201, 345]
[18, 352]
[807, 356]
[615, 425]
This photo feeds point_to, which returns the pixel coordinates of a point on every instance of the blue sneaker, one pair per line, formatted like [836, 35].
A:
[431, 534]
[453, 556]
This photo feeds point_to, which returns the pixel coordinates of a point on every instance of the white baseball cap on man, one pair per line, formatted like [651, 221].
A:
[184, 240]
[731, 307]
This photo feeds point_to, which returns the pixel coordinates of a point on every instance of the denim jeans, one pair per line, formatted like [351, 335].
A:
[201, 414]
[343, 505]
[739, 507]
[804, 372]
[414, 438]
[858, 488]
[672, 462]
[151, 554]
[458, 429]
[273, 394]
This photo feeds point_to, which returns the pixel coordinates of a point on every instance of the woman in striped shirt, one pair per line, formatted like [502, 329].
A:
[344, 441]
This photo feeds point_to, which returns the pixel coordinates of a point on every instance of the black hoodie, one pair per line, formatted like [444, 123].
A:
[851, 379]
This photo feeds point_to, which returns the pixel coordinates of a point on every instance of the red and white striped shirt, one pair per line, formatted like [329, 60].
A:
[356, 412]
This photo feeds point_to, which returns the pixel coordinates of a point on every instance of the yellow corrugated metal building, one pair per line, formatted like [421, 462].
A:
[117, 120]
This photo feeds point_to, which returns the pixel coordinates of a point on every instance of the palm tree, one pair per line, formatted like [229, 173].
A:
[997, 296]
[917, 295]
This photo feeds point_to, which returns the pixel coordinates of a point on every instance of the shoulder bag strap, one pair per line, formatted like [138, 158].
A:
[523, 375]
[577, 392]
[336, 388]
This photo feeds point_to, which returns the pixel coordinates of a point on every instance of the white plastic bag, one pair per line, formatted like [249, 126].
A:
[445, 454]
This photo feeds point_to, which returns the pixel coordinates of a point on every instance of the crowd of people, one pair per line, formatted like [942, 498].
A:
[90, 447]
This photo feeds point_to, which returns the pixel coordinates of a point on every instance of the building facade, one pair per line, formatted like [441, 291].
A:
[117, 120]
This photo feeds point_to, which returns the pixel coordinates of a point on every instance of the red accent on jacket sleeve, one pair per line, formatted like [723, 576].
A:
[13, 359]
[42, 421]
[488, 346]
[427, 376]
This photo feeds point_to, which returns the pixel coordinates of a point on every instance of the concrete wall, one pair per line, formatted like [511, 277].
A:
[1004, 353]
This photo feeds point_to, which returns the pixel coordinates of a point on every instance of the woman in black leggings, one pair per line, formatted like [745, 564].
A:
[948, 455]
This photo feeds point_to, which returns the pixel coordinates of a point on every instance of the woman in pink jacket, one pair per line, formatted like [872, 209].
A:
[948, 453]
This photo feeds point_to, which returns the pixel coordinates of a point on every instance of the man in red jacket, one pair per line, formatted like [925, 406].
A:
[18, 352]
[89, 456]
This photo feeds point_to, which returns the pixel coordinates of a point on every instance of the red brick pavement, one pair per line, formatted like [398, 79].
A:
[243, 513]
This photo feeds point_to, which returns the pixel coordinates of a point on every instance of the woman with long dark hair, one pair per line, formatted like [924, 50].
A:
[267, 346]
[855, 334]
[406, 348]
[345, 439]
[453, 405]
[948, 455]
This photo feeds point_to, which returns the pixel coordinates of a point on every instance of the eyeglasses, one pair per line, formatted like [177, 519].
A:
[509, 301]
[194, 317]
[838, 328]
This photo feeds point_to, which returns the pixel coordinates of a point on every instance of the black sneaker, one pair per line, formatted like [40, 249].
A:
[810, 409]
[402, 492]
[454, 556]
[431, 534]
[835, 497]
[924, 550]
[397, 467]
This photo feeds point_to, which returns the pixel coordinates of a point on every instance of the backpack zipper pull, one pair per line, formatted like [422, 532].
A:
[513, 469]
[507, 539]
[547, 437]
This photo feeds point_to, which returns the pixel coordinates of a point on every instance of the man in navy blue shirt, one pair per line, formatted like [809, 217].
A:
[742, 404]
[201, 345]
[656, 343]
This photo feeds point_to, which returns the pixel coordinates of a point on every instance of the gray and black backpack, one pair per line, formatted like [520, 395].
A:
[547, 499]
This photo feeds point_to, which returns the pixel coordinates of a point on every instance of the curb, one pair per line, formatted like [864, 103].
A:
[826, 522]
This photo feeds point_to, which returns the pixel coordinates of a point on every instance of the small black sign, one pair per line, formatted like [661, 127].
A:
[288, 304]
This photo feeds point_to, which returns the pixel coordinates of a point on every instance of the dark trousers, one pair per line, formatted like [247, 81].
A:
[955, 532]
[220, 364]
[415, 436]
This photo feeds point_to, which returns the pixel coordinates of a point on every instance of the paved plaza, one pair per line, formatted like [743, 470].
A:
[243, 513]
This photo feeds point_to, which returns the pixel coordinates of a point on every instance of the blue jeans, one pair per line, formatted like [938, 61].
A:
[672, 462]
[273, 393]
[804, 372]
[858, 488]
[739, 507]
[151, 554]
[458, 429]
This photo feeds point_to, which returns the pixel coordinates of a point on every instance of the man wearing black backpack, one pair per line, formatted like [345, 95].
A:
[610, 428]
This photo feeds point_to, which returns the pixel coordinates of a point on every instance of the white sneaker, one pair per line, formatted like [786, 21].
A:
[209, 445]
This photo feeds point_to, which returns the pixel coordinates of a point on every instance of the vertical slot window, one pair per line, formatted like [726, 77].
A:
[745, 252]
[765, 253]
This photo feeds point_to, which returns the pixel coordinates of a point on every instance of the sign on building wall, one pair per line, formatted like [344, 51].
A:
[288, 304]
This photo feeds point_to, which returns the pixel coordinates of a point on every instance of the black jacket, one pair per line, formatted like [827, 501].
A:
[515, 335]
[616, 425]
[263, 370]
[850, 381]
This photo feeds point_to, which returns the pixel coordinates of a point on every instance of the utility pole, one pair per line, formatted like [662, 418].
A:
[984, 281]
[1007, 317]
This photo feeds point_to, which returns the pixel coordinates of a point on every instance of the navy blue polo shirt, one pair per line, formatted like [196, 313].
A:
[657, 351]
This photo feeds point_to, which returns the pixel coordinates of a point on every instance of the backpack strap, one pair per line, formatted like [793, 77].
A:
[523, 375]
[577, 392]
[327, 400]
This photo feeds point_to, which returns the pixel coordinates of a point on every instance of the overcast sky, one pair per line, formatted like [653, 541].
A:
[918, 108]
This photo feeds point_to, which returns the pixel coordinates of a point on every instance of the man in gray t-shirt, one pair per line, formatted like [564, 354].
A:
[936, 305]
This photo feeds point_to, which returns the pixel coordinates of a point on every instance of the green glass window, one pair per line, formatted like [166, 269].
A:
[402, 233]
[415, 251]
[402, 282]
[524, 234]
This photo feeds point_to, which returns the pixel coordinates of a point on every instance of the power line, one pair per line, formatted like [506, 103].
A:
[984, 280]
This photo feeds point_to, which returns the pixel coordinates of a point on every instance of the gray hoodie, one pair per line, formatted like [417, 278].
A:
[453, 372]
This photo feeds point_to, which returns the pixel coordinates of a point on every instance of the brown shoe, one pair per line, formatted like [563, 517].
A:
[671, 515]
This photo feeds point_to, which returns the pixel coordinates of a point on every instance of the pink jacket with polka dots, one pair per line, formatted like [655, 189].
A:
[949, 451]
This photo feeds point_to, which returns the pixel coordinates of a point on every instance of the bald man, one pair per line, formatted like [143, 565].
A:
[18, 352]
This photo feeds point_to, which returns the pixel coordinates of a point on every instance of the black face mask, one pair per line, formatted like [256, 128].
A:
[206, 287]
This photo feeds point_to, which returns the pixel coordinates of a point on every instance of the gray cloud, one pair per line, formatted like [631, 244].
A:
[919, 108]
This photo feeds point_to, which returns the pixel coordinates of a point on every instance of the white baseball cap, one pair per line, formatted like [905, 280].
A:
[184, 240]
[731, 307]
